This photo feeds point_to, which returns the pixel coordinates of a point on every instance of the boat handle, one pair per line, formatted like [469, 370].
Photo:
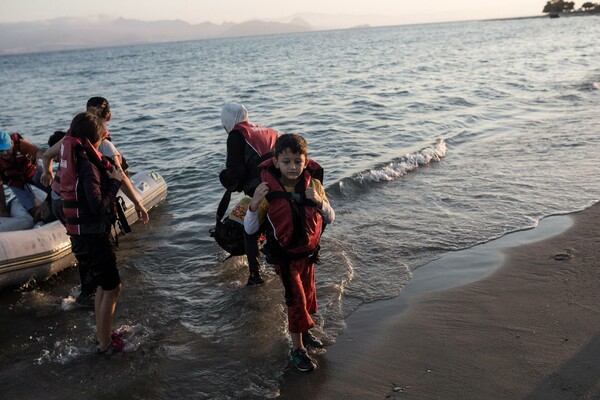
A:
[143, 186]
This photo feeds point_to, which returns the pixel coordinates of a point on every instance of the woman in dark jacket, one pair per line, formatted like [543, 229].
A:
[247, 146]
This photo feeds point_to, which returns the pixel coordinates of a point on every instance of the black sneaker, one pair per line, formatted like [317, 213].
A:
[309, 340]
[302, 361]
[255, 279]
[85, 300]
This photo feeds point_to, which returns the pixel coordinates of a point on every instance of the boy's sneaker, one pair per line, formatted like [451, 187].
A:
[309, 340]
[121, 331]
[301, 360]
[254, 279]
[85, 300]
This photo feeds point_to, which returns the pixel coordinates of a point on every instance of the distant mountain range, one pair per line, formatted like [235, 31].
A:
[103, 31]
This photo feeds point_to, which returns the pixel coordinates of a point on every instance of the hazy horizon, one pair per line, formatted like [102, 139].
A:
[374, 12]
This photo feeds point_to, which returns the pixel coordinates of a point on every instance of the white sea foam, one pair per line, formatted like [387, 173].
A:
[62, 352]
[403, 165]
[68, 303]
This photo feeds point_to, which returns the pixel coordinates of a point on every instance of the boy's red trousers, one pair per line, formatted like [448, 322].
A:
[301, 280]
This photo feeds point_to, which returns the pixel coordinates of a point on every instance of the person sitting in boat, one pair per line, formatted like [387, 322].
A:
[247, 146]
[18, 170]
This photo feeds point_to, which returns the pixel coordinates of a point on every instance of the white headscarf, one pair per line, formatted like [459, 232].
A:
[232, 114]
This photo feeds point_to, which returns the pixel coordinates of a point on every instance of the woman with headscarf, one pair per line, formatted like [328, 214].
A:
[247, 146]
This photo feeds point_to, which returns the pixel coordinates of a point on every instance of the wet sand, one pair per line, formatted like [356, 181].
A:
[528, 327]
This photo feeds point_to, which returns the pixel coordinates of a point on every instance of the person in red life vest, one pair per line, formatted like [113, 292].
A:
[247, 146]
[100, 107]
[18, 170]
[89, 186]
[297, 209]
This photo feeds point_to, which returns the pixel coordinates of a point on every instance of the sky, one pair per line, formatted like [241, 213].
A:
[218, 11]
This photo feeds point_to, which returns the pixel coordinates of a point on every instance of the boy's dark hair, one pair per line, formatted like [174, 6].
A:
[55, 137]
[292, 142]
[87, 125]
[99, 106]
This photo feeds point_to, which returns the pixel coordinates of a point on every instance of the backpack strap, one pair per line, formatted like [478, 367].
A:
[121, 218]
[223, 204]
[265, 157]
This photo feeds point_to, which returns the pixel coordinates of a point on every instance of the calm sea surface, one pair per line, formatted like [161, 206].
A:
[433, 137]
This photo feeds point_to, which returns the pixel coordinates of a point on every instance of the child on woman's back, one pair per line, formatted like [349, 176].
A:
[292, 192]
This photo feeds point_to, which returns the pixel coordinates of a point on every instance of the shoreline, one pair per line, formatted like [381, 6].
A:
[521, 324]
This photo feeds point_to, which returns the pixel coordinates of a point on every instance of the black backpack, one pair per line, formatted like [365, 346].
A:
[228, 233]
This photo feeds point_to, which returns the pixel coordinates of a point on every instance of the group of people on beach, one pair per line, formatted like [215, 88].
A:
[286, 204]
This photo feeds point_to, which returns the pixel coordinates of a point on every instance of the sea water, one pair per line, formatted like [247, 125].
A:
[434, 138]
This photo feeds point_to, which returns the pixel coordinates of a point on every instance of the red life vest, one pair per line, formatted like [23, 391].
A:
[260, 143]
[260, 139]
[18, 170]
[78, 218]
[55, 186]
[295, 223]
[56, 181]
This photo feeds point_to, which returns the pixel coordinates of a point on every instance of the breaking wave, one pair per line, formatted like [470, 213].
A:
[390, 171]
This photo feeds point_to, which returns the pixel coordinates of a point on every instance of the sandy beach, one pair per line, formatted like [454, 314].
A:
[529, 329]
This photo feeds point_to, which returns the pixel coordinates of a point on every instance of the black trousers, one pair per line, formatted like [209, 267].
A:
[251, 245]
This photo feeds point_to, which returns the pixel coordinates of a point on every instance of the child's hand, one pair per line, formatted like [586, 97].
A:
[259, 194]
[311, 194]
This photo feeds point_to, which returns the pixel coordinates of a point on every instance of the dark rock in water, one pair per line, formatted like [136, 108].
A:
[562, 256]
